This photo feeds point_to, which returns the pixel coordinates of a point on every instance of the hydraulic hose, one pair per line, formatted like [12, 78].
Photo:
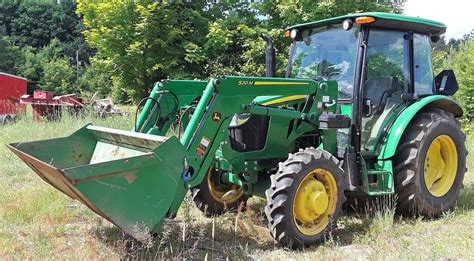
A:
[138, 107]
[181, 119]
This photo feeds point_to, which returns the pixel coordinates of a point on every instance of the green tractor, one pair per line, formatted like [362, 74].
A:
[358, 114]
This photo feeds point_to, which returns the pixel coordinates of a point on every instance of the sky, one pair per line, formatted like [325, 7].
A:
[457, 15]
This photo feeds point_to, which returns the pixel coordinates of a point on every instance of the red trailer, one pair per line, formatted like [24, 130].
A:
[11, 89]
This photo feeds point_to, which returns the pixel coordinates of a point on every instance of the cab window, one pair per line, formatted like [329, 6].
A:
[423, 67]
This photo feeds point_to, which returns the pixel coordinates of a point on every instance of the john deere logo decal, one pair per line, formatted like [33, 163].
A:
[216, 116]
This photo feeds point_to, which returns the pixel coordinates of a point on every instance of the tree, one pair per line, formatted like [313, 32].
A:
[234, 48]
[444, 50]
[34, 25]
[31, 67]
[10, 56]
[463, 65]
[33, 61]
[97, 77]
[289, 12]
[146, 41]
[58, 77]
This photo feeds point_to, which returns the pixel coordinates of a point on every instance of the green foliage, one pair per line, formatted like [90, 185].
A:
[141, 42]
[444, 51]
[463, 65]
[459, 56]
[226, 39]
[96, 78]
[34, 62]
[34, 33]
[10, 55]
[58, 76]
[31, 67]
[146, 41]
[288, 12]
[438, 58]
[379, 64]
[36, 23]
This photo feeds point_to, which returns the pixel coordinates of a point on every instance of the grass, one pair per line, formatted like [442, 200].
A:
[38, 222]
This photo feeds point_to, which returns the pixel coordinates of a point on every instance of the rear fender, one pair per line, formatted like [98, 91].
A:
[395, 133]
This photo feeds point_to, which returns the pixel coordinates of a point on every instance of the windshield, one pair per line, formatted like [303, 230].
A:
[326, 54]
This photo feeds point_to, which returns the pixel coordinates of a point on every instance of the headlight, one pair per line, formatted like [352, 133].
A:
[347, 24]
[294, 33]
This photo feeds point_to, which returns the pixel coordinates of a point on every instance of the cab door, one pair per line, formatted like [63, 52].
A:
[386, 79]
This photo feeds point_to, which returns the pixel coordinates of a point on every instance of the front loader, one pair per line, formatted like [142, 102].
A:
[358, 114]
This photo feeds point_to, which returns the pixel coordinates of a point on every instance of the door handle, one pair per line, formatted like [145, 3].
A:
[368, 107]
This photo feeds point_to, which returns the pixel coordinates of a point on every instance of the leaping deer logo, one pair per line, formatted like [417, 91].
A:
[216, 116]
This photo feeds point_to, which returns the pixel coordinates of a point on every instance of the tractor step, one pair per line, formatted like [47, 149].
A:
[383, 184]
[131, 179]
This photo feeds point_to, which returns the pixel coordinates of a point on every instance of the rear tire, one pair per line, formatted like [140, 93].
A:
[299, 211]
[215, 199]
[433, 137]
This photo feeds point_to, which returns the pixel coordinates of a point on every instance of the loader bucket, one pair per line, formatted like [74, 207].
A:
[129, 178]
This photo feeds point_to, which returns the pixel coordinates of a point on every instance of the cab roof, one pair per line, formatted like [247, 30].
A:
[385, 20]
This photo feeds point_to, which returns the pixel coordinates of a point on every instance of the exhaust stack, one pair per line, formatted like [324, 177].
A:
[270, 59]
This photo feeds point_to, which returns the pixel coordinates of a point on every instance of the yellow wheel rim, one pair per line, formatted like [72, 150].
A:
[441, 165]
[222, 194]
[315, 202]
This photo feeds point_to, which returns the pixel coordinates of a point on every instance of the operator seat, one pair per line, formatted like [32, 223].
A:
[379, 89]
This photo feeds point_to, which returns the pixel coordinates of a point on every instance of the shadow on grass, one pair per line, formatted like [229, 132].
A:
[236, 236]
[197, 244]
[239, 238]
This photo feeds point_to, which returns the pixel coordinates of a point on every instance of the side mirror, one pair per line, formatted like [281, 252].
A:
[435, 39]
[446, 83]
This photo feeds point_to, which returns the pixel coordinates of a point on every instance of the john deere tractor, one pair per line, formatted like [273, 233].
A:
[359, 113]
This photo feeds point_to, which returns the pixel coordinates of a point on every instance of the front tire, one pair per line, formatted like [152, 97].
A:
[429, 165]
[305, 198]
[214, 198]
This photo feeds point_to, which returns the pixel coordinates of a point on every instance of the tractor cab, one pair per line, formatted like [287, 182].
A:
[381, 63]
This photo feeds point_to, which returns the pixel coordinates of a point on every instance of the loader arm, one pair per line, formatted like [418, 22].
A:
[136, 178]
[221, 99]
[162, 106]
